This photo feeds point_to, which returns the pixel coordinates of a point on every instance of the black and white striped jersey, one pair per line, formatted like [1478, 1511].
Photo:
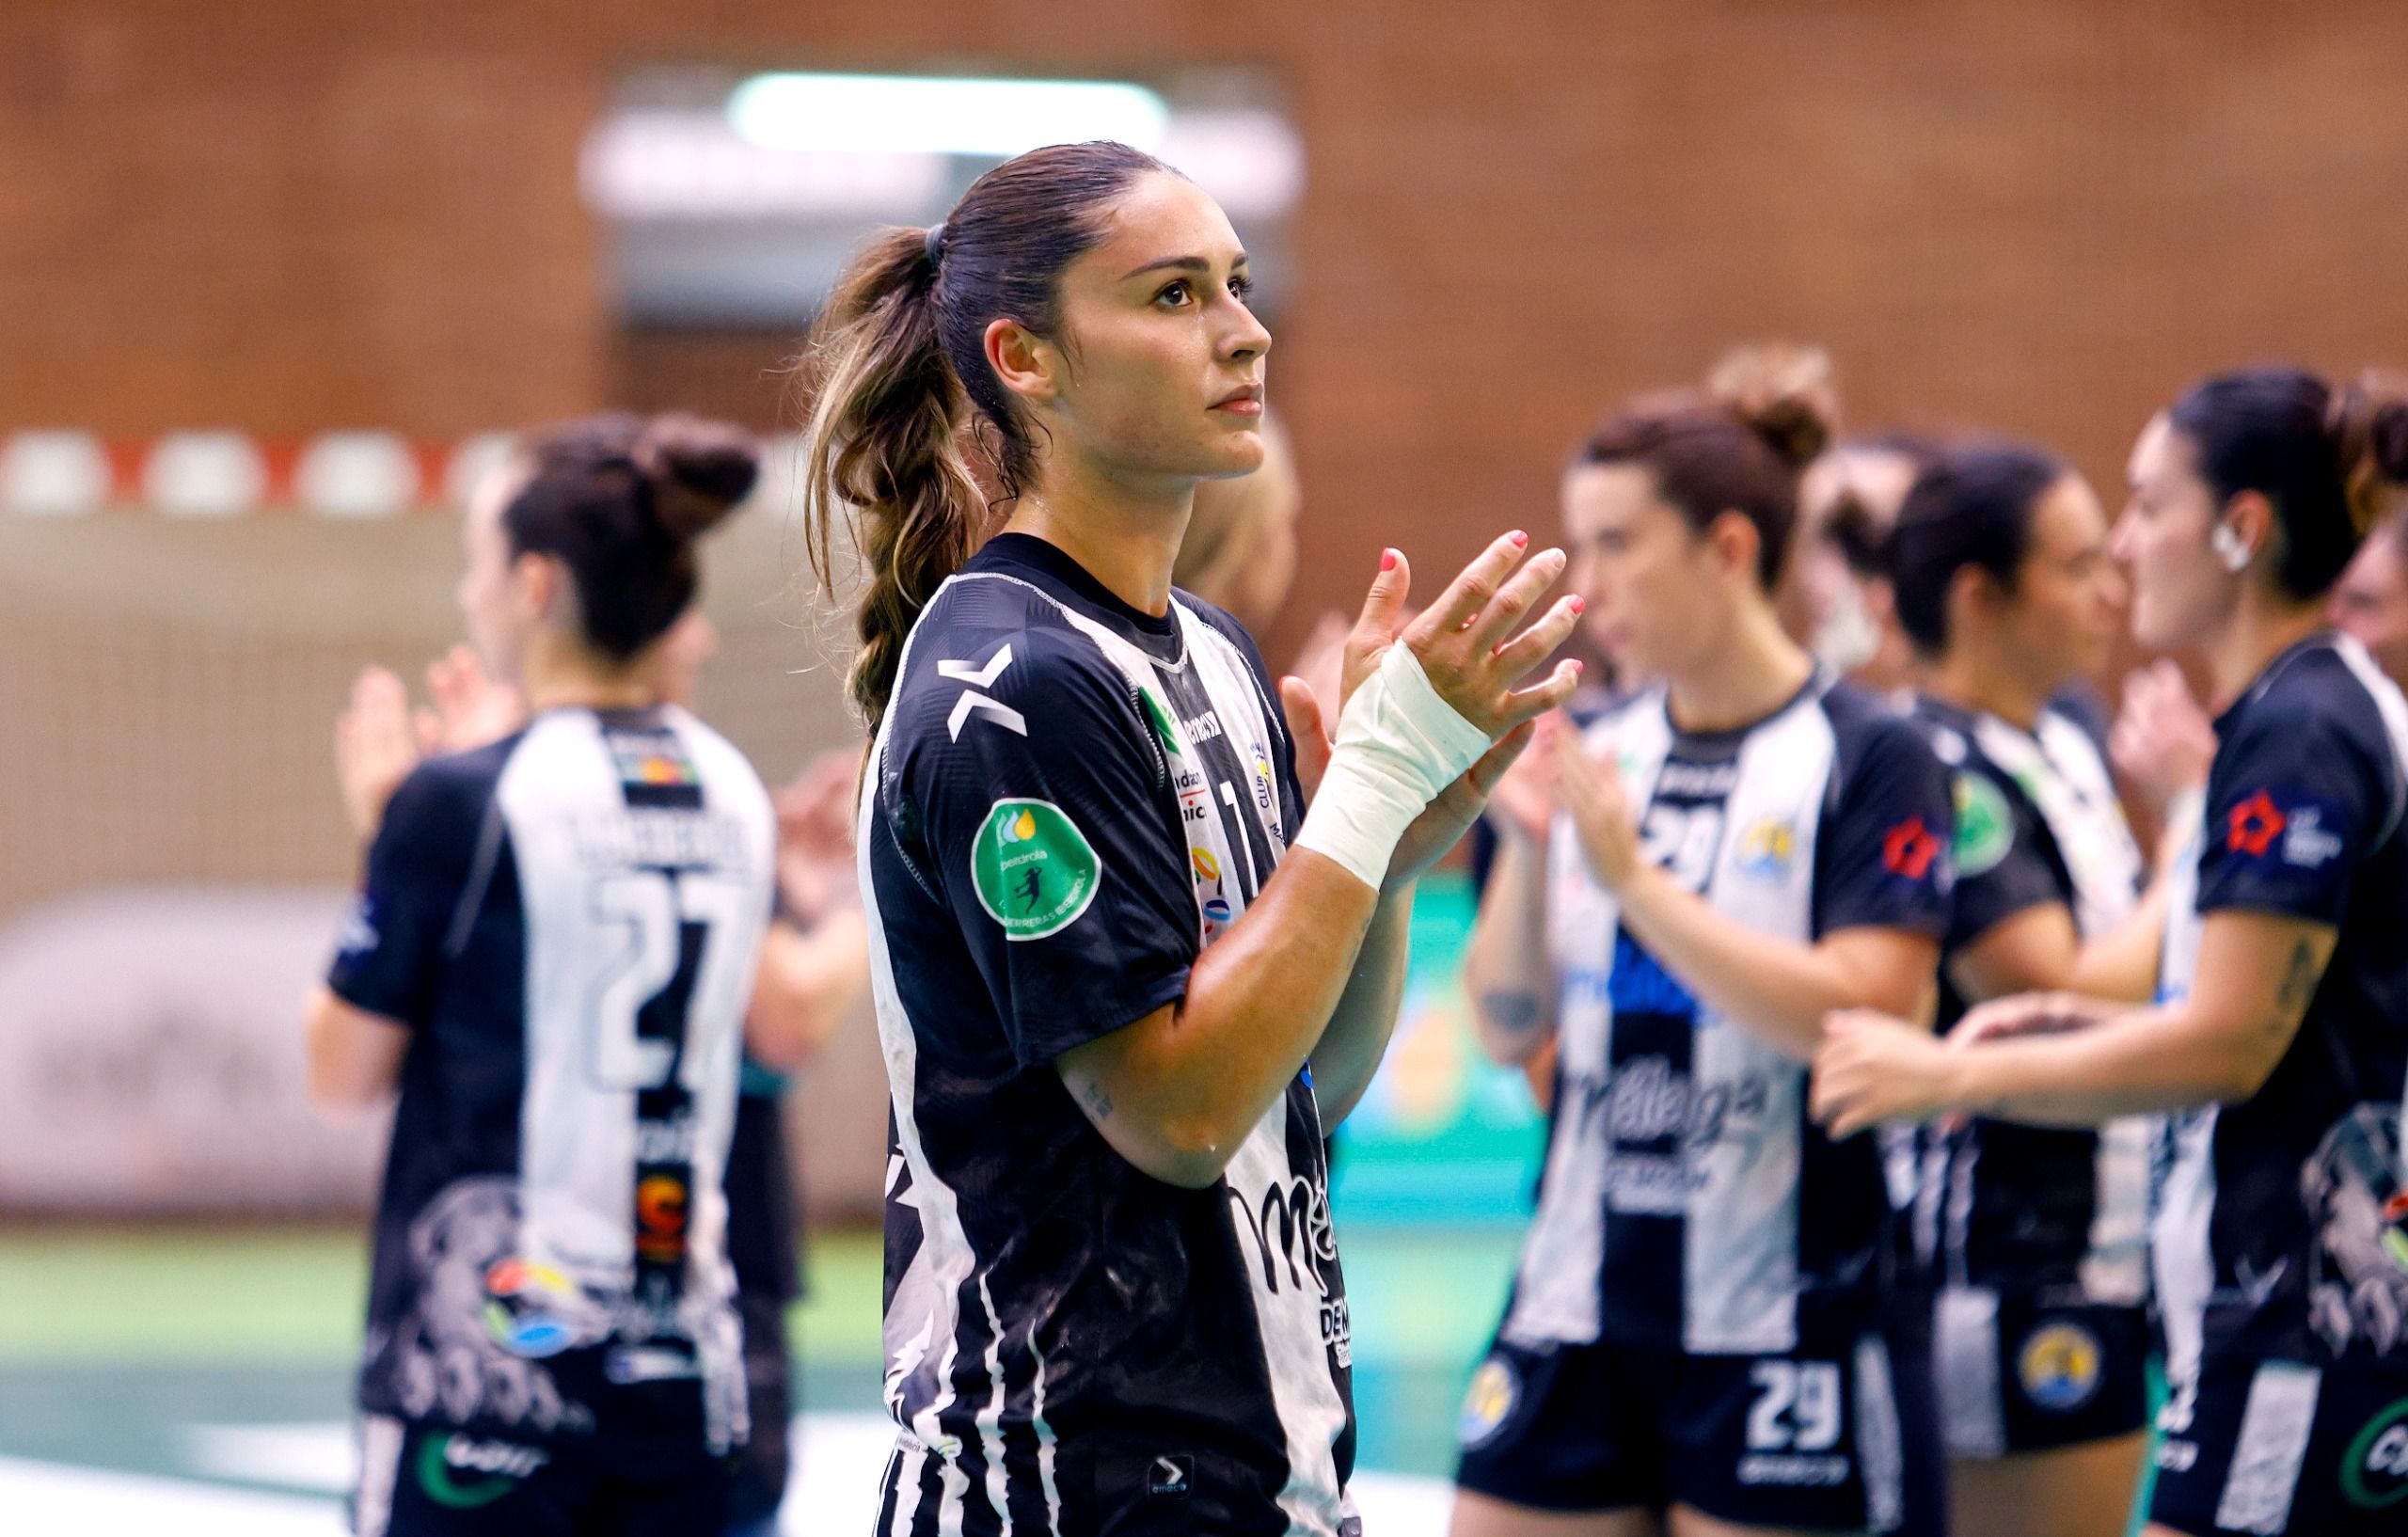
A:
[2282, 1222]
[1688, 1197]
[2055, 1214]
[568, 923]
[1067, 801]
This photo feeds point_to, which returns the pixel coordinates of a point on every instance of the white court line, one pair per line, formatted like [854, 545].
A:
[839, 1457]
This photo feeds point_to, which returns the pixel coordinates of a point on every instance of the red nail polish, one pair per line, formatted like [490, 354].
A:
[1576, 666]
[1579, 604]
[1387, 559]
[1521, 538]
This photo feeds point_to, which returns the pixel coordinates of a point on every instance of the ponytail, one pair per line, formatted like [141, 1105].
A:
[885, 451]
[897, 384]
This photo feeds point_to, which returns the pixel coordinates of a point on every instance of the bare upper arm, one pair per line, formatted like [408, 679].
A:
[2033, 950]
[355, 1056]
[1893, 970]
[2257, 974]
[1118, 1082]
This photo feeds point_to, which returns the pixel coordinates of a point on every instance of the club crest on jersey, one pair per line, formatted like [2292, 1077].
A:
[1985, 825]
[1034, 870]
[1495, 1391]
[2374, 1471]
[1767, 848]
[2060, 1366]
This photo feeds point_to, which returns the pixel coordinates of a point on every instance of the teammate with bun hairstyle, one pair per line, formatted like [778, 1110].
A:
[1124, 978]
[1698, 1340]
[2281, 1237]
[2037, 1238]
[551, 960]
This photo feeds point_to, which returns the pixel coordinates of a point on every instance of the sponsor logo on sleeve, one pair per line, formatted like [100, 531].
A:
[1985, 825]
[2298, 833]
[2060, 1367]
[1034, 870]
[1908, 849]
[1171, 1478]
[2251, 827]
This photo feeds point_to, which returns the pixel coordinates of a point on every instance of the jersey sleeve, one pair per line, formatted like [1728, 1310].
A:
[1050, 837]
[2001, 865]
[1884, 855]
[391, 948]
[2294, 800]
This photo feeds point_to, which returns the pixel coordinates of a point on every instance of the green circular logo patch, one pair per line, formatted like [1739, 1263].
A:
[2374, 1471]
[1985, 826]
[1034, 870]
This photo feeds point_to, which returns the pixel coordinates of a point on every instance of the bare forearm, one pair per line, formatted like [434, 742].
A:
[2130, 1064]
[2122, 963]
[808, 979]
[1508, 972]
[1778, 989]
[1360, 1027]
[1177, 1092]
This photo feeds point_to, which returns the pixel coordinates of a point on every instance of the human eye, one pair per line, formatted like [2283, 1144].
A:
[1242, 286]
[1174, 293]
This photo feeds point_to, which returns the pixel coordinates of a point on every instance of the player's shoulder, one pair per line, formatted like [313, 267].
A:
[454, 783]
[993, 642]
[727, 773]
[2324, 687]
[1867, 724]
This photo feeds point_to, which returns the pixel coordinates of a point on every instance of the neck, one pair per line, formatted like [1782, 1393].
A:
[2263, 627]
[557, 674]
[1755, 671]
[1976, 678]
[1123, 533]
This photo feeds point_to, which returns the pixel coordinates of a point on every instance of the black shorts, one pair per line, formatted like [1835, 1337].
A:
[2018, 1376]
[1843, 1438]
[431, 1480]
[2263, 1447]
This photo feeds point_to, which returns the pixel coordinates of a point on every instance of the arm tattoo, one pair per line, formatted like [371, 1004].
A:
[1514, 1013]
[2299, 978]
[1099, 1103]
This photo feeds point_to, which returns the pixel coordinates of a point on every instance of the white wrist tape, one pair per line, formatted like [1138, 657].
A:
[1398, 744]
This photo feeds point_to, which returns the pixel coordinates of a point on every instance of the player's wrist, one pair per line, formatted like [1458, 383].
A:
[1399, 745]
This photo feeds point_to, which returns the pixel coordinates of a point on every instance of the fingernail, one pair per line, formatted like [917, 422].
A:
[1576, 666]
[1520, 538]
[1579, 604]
[1387, 559]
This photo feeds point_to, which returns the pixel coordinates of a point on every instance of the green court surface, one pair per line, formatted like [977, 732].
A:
[112, 1342]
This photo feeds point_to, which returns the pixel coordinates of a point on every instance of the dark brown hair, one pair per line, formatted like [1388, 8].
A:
[1973, 506]
[1737, 447]
[895, 380]
[620, 500]
[2325, 458]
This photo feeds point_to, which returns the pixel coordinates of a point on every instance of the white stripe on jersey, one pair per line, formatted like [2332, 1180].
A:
[1739, 1244]
[2058, 767]
[2270, 1449]
[602, 936]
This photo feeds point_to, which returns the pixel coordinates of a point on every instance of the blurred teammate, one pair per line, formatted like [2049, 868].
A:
[551, 960]
[1698, 1338]
[1122, 978]
[2281, 1240]
[814, 970]
[1837, 597]
[2371, 601]
[2037, 1238]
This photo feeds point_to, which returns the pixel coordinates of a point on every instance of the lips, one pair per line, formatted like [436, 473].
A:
[1245, 401]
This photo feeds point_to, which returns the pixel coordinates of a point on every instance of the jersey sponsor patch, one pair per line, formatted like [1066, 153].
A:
[2374, 1471]
[2060, 1366]
[462, 1473]
[1495, 1391]
[1766, 847]
[1908, 849]
[1034, 870]
[1985, 825]
[2286, 829]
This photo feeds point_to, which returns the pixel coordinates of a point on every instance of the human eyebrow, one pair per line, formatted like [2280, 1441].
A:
[1179, 264]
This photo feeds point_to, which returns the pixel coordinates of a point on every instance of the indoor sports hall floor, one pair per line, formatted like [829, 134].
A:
[194, 1382]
